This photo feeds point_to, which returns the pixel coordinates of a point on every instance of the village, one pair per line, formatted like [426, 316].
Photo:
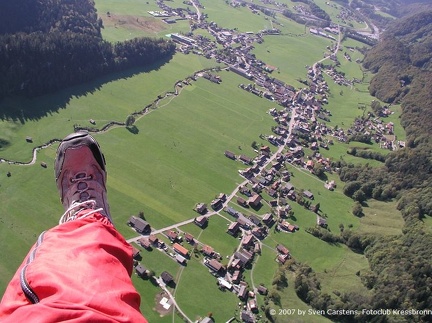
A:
[300, 125]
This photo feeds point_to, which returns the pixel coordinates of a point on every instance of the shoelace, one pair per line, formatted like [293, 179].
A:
[82, 185]
[89, 208]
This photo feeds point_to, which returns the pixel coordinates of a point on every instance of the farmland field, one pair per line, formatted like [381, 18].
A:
[174, 158]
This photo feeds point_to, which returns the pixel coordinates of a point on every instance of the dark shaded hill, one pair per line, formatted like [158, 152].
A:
[49, 15]
[61, 45]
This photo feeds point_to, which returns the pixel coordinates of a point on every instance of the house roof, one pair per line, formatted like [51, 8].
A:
[180, 249]
[247, 239]
[167, 277]
[308, 194]
[255, 199]
[140, 269]
[139, 224]
[215, 265]
[135, 252]
[144, 242]
[172, 235]
[207, 250]
[282, 249]
[267, 217]
[201, 220]
[234, 227]
[153, 238]
[188, 237]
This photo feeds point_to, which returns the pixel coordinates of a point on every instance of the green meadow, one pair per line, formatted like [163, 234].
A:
[174, 158]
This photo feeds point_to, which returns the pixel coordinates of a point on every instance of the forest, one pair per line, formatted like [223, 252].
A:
[400, 275]
[46, 46]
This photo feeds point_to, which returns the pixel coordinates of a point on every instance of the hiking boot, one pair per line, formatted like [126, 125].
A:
[81, 177]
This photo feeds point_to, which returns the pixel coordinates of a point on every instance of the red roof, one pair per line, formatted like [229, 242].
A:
[180, 249]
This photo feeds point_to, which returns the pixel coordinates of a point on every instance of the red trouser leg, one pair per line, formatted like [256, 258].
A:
[78, 271]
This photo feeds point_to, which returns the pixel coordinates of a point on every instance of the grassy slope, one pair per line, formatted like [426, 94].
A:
[178, 160]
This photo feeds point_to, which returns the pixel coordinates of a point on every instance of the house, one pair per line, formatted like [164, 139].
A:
[215, 266]
[282, 258]
[233, 228]
[236, 264]
[180, 259]
[282, 249]
[135, 253]
[230, 155]
[189, 238]
[242, 293]
[207, 251]
[201, 208]
[288, 187]
[244, 222]
[231, 211]
[167, 278]
[140, 225]
[330, 185]
[262, 290]
[260, 233]
[265, 149]
[255, 200]
[252, 305]
[141, 271]
[181, 250]
[268, 219]
[222, 197]
[241, 201]
[245, 190]
[255, 220]
[321, 222]
[247, 240]
[206, 320]
[245, 160]
[235, 278]
[244, 256]
[216, 204]
[153, 239]
[247, 317]
[201, 221]
[224, 284]
[287, 226]
[257, 188]
[172, 235]
[145, 243]
[282, 213]
[308, 194]
[272, 192]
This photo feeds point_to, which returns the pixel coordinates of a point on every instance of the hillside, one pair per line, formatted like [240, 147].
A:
[291, 110]
[61, 45]
[402, 62]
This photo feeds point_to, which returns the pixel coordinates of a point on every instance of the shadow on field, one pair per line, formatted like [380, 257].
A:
[133, 129]
[22, 109]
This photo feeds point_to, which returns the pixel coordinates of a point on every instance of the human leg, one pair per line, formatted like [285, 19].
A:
[79, 270]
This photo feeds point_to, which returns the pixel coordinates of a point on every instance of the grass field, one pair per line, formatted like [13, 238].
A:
[286, 51]
[175, 160]
[124, 20]
[381, 218]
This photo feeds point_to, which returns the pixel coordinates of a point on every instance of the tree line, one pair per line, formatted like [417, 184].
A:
[61, 45]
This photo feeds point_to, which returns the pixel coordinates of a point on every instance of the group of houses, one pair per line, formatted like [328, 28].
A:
[308, 129]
